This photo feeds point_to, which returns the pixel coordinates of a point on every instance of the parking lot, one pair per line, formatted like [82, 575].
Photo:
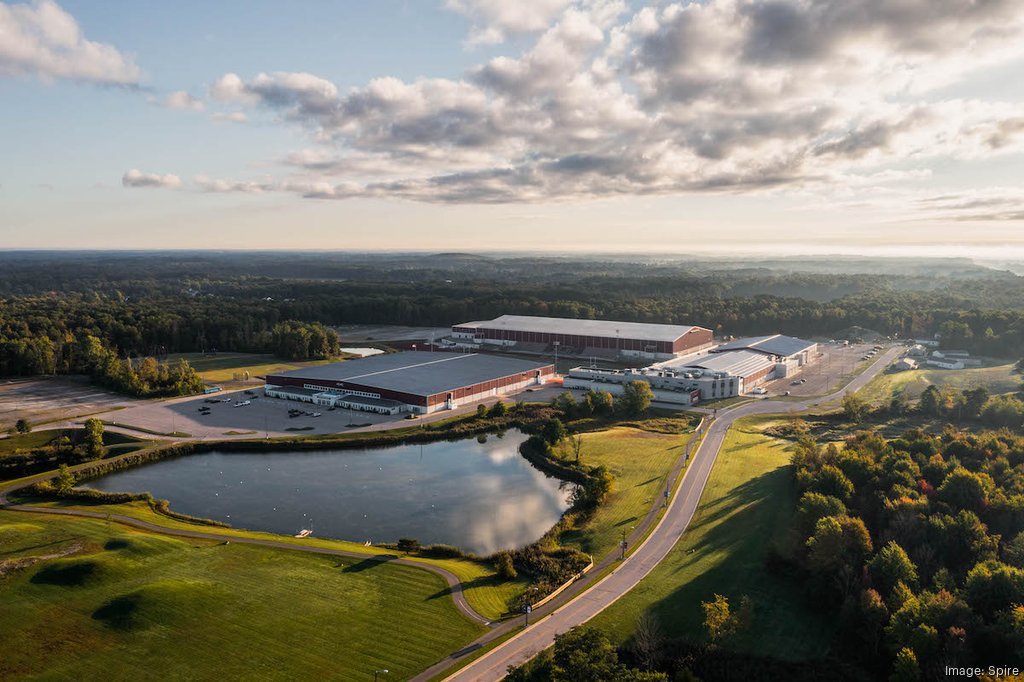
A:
[53, 400]
[830, 369]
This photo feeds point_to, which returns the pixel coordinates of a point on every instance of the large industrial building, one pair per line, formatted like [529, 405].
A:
[586, 338]
[788, 352]
[417, 382]
[728, 370]
[684, 381]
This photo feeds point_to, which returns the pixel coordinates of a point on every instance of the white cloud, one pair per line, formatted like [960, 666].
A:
[136, 178]
[229, 117]
[495, 20]
[719, 96]
[181, 100]
[41, 39]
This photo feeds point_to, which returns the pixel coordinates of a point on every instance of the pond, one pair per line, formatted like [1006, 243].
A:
[481, 497]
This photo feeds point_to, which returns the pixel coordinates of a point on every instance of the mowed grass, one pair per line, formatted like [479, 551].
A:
[223, 367]
[133, 605]
[746, 506]
[999, 379]
[488, 595]
[640, 461]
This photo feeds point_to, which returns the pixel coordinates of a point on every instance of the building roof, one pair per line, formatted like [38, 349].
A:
[416, 372]
[740, 363]
[606, 328]
[775, 344]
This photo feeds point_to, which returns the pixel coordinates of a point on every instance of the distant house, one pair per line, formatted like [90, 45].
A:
[904, 364]
[917, 351]
[944, 363]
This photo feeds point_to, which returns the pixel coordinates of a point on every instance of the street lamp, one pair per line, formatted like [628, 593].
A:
[379, 672]
[624, 544]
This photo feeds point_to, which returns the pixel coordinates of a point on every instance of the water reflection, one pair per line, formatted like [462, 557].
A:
[479, 496]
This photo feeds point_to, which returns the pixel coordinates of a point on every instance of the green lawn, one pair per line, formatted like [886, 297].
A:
[132, 605]
[1000, 379]
[484, 592]
[222, 367]
[640, 461]
[746, 506]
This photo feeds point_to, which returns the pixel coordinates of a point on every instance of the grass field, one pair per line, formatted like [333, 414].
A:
[746, 505]
[117, 443]
[484, 592]
[223, 367]
[640, 461]
[120, 607]
[1000, 379]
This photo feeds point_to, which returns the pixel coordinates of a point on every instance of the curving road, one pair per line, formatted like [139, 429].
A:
[541, 635]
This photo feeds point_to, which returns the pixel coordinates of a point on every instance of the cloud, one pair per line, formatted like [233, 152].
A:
[717, 96]
[183, 101]
[41, 39]
[229, 117]
[136, 178]
[495, 20]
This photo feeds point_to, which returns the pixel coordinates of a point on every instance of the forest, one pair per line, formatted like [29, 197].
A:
[150, 305]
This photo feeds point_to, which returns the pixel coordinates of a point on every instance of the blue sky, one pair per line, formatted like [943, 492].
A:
[797, 125]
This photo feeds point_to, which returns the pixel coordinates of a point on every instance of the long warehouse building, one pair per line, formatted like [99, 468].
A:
[601, 338]
[418, 382]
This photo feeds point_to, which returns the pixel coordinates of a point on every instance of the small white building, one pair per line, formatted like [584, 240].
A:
[904, 364]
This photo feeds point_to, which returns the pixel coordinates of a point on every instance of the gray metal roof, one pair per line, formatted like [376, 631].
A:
[606, 328]
[775, 344]
[740, 363]
[417, 372]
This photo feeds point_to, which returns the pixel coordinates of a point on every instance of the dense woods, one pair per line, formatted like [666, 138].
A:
[917, 545]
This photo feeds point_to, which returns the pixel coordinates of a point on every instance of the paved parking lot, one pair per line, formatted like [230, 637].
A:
[831, 368]
[45, 400]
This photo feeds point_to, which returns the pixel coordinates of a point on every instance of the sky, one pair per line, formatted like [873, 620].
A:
[726, 126]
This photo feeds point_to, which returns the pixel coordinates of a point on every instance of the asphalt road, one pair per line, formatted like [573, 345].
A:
[541, 635]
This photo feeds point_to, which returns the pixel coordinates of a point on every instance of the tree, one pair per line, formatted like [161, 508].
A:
[499, 409]
[814, 506]
[891, 566]
[830, 480]
[855, 408]
[583, 655]
[635, 399]
[22, 426]
[601, 401]
[992, 586]
[647, 640]
[905, 669]
[566, 403]
[963, 489]
[93, 439]
[974, 401]
[481, 411]
[408, 545]
[577, 446]
[553, 431]
[931, 402]
[65, 480]
[504, 566]
[719, 620]
[838, 548]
